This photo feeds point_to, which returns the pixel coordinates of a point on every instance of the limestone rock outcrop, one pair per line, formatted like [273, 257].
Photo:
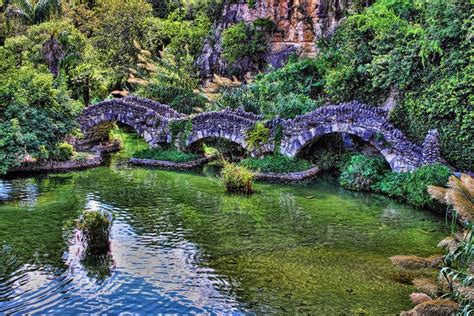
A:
[298, 26]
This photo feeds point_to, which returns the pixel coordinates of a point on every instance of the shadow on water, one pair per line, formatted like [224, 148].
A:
[181, 245]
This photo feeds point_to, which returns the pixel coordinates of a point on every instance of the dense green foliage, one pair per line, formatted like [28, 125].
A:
[361, 172]
[412, 186]
[276, 163]
[237, 179]
[286, 92]
[245, 42]
[364, 173]
[35, 114]
[169, 154]
[417, 51]
[173, 82]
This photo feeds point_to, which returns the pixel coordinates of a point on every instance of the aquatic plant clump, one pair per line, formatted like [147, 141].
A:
[237, 179]
[170, 154]
[95, 227]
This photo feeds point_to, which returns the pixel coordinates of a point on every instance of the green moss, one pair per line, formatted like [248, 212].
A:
[95, 226]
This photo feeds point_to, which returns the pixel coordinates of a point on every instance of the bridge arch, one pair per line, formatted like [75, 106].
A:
[148, 118]
[366, 122]
[229, 125]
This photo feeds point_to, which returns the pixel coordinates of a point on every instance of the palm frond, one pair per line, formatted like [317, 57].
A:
[13, 12]
[24, 5]
[44, 9]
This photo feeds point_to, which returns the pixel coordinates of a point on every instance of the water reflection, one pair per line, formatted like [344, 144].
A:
[5, 190]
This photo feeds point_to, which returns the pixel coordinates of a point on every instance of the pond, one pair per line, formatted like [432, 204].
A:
[180, 244]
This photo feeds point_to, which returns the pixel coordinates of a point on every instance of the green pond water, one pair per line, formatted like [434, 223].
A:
[180, 244]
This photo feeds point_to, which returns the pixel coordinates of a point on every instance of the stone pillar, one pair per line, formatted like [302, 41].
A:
[430, 150]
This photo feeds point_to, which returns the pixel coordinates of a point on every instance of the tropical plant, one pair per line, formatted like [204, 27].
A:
[237, 179]
[30, 12]
[169, 80]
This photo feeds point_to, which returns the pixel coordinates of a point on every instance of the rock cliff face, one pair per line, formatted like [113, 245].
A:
[299, 24]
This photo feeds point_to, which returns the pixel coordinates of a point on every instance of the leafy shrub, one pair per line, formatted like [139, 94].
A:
[237, 179]
[169, 154]
[393, 184]
[292, 105]
[64, 152]
[254, 35]
[419, 180]
[95, 226]
[361, 172]
[258, 135]
[276, 163]
[412, 186]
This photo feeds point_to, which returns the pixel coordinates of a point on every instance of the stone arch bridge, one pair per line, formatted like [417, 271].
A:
[159, 124]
